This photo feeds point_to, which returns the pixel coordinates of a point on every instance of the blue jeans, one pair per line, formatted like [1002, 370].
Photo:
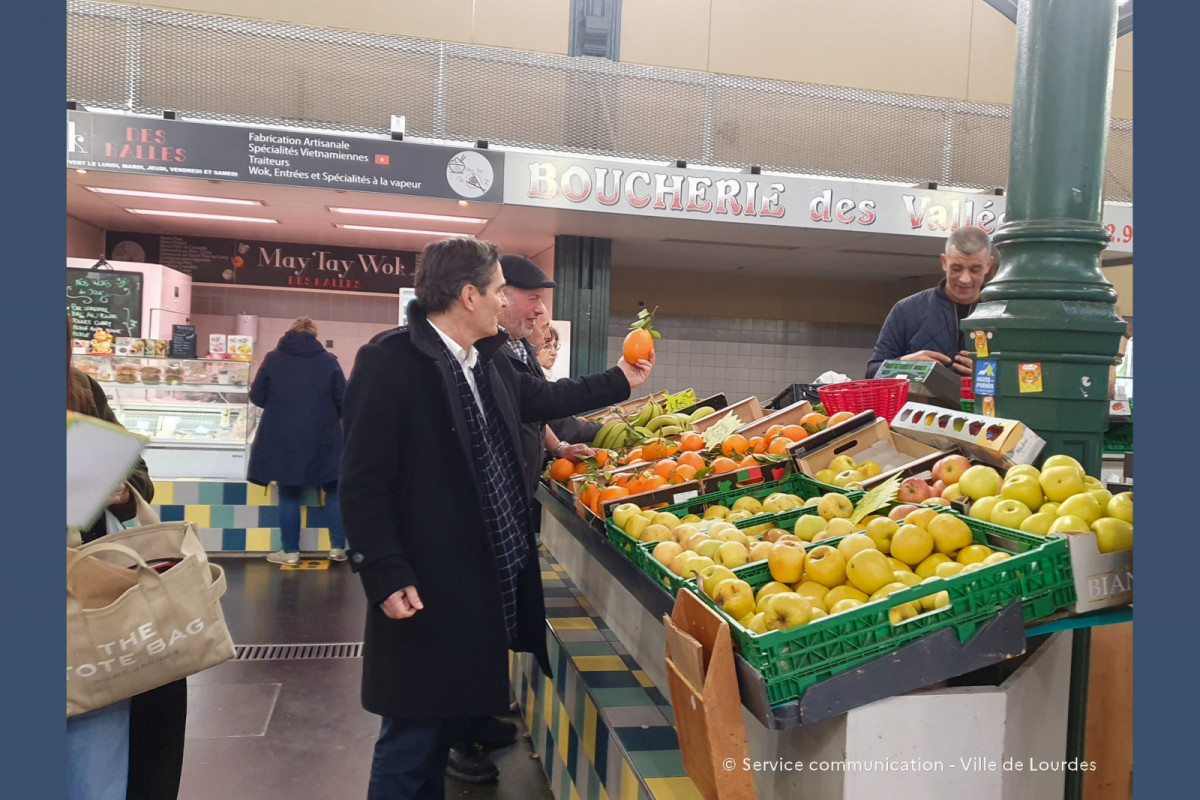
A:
[98, 753]
[410, 758]
[289, 517]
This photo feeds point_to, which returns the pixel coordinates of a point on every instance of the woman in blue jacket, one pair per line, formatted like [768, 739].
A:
[299, 440]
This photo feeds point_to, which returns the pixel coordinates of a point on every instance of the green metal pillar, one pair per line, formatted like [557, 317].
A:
[583, 272]
[1049, 310]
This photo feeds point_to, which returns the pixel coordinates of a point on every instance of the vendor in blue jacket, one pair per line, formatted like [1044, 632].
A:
[924, 326]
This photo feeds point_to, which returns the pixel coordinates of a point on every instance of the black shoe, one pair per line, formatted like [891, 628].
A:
[491, 733]
[470, 765]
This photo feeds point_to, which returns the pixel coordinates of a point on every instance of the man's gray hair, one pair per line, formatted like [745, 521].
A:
[969, 241]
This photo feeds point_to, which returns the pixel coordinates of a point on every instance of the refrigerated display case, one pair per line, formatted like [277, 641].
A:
[197, 413]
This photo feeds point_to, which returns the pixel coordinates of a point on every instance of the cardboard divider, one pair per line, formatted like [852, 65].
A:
[705, 698]
[747, 411]
[784, 416]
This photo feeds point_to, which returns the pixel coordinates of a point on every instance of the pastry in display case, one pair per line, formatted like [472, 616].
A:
[196, 412]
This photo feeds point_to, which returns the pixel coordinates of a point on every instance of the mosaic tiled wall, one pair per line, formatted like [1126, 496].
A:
[603, 730]
[238, 516]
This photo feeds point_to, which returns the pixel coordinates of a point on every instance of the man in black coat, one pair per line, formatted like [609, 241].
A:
[436, 511]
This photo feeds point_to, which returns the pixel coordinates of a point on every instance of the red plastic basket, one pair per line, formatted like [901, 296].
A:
[968, 389]
[884, 396]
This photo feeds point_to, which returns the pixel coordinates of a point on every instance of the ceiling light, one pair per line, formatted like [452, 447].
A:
[191, 215]
[82, 171]
[168, 196]
[398, 230]
[371, 212]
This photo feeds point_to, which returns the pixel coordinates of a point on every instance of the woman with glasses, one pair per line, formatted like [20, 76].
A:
[547, 352]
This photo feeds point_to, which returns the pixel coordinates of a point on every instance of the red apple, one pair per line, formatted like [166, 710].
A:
[913, 490]
[937, 488]
[948, 469]
[900, 512]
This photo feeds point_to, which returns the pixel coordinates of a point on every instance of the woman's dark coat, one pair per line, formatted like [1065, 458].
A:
[413, 518]
[299, 439]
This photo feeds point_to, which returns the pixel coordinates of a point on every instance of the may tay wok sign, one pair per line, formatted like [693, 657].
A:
[617, 187]
[246, 262]
[152, 146]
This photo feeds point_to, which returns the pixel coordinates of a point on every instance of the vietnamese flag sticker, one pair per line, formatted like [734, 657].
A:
[385, 160]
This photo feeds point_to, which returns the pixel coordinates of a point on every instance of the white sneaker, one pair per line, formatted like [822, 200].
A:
[280, 557]
[337, 554]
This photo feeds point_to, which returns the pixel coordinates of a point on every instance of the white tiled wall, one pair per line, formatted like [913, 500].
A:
[748, 357]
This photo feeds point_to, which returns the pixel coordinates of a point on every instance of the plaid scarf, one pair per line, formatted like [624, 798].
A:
[497, 474]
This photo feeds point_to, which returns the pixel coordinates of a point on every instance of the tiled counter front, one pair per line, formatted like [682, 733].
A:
[237, 516]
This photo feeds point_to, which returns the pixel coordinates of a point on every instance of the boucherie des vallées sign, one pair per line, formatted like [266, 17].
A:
[248, 262]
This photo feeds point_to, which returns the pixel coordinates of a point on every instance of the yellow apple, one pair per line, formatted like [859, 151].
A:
[812, 590]
[869, 469]
[996, 558]
[937, 600]
[809, 525]
[1010, 513]
[716, 512]
[844, 605]
[680, 561]
[835, 505]
[949, 569]
[735, 516]
[735, 597]
[694, 541]
[1038, 524]
[665, 518]
[973, 553]
[952, 492]
[1025, 488]
[1059, 483]
[886, 589]
[1113, 534]
[980, 481]
[825, 476]
[683, 530]
[868, 570]
[709, 548]
[732, 534]
[882, 530]
[787, 561]
[847, 477]
[1121, 507]
[907, 577]
[656, 533]
[921, 517]
[1103, 496]
[690, 518]
[982, 508]
[935, 501]
[950, 534]
[757, 623]
[1050, 508]
[1081, 505]
[622, 513]
[843, 592]
[925, 568]
[665, 552]
[826, 566]
[710, 576]
[751, 504]
[839, 526]
[773, 534]
[731, 554]
[897, 614]
[760, 551]
[912, 544]
[766, 590]
[1060, 460]
[787, 610]
[897, 564]
[842, 463]
[634, 526]
[817, 612]
[1022, 469]
[855, 543]
[1069, 523]
[694, 564]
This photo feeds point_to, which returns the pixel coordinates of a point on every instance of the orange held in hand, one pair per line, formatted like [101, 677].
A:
[639, 342]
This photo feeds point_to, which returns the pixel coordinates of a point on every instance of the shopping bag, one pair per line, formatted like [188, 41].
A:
[164, 627]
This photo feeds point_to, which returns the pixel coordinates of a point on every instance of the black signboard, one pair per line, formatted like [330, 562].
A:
[249, 262]
[178, 148]
[104, 298]
[183, 341]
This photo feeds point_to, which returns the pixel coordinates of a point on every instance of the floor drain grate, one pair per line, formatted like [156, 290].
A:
[296, 652]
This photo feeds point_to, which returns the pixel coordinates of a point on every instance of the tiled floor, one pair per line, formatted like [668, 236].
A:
[294, 729]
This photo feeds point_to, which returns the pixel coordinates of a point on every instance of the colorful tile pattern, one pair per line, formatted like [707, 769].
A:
[235, 516]
[602, 729]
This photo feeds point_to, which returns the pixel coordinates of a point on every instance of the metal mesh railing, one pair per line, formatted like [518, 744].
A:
[150, 60]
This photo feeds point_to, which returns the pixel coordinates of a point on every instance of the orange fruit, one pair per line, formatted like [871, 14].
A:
[613, 492]
[665, 467]
[691, 459]
[654, 482]
[602, 456]
[734, 444]
[840, 416]
[653, 449]
[580, 468]
[748, 461]
[691, 441]
[757, 444]
[682, 473]
[772, 432]
[813, 418]
[794, 432]
[620, 479]
[638, 344]
[589, 495]
[723, 464]
[669, 448]
[779, 445]
[562, 469]
[633, 455]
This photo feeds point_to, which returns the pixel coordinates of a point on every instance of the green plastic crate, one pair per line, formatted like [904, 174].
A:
[967, 405]
[1038, 574]
[1119, 439]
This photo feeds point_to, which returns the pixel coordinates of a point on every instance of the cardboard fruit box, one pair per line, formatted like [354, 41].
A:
[790, 415]
[991, 440]
[747, 411]
[892, 450]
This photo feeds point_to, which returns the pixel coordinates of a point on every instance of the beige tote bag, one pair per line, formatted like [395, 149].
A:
[165, 626]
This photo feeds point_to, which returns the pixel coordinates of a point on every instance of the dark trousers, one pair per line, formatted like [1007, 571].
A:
[157, 719]
[410, 758]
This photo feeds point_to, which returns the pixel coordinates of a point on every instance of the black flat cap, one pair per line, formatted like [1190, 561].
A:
[522, 273]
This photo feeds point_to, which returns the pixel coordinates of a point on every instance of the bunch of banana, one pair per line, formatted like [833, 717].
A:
[615, 434]
[668, 424]
[701, 413]
[648, 412]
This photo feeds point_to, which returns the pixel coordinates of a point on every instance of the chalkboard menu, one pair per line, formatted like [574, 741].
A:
[104, 299]
[183, 341]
